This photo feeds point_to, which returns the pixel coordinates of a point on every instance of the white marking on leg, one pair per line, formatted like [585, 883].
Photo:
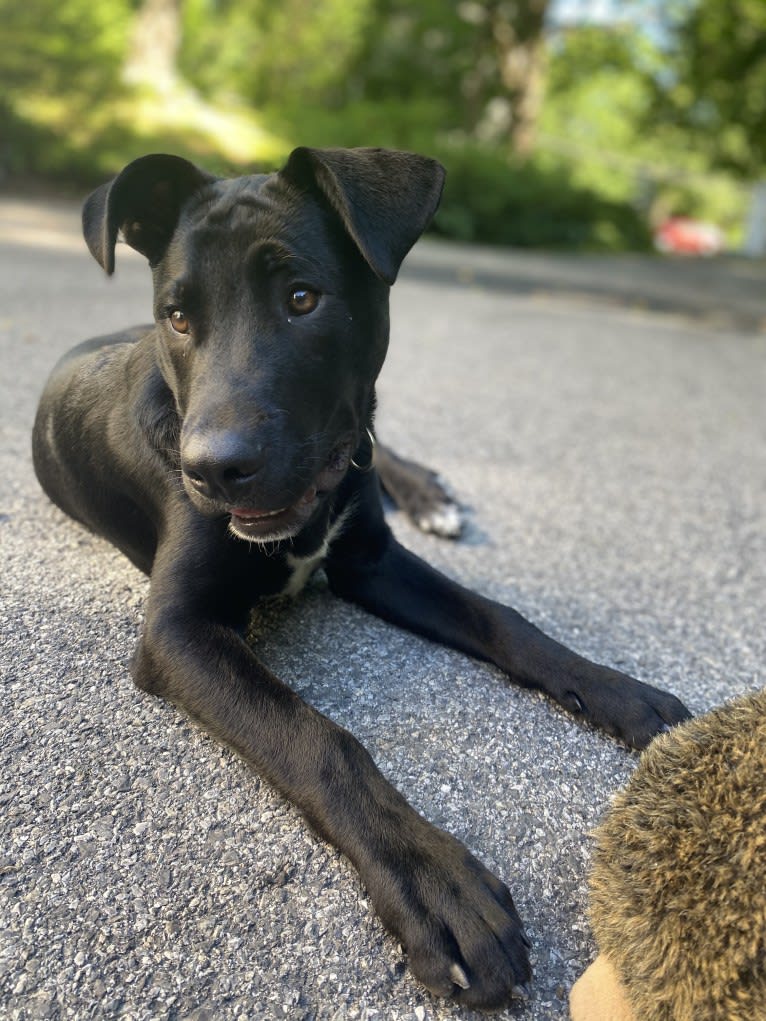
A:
[445, 520]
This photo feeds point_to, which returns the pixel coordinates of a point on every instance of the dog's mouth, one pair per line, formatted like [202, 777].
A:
[266, 525]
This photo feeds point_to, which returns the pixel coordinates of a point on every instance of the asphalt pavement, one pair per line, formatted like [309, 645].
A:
[602, 420]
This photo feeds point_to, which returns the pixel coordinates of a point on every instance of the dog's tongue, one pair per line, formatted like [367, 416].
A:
[249, 514]
[252, 514]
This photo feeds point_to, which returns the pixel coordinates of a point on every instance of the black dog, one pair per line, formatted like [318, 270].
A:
[226, 450]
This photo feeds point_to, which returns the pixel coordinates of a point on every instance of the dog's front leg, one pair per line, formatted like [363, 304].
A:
[456, 920]
[401, 588]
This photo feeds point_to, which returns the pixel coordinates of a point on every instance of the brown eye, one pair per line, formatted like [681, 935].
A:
[302, 301]
[179, 322]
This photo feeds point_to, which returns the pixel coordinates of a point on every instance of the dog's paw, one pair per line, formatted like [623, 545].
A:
[628, 709]
[420, 493]
[457, 922]
[442, 519]
[430, 507]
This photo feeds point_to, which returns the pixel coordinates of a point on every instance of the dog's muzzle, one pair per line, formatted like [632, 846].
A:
[236, 487]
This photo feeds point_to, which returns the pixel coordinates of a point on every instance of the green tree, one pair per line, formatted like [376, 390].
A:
[291, 52]
[598, 96]
[475, 66]
[479, 62]
[62, 45]
[56, 52]
[601, 115]
[714, 89]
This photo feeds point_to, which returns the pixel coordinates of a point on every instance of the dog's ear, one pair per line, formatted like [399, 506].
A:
[385, 199]
[144, 202]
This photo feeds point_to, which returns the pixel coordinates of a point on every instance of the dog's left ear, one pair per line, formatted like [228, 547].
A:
[384, 198]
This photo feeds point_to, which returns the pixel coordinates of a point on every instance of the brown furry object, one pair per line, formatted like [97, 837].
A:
[678, 891]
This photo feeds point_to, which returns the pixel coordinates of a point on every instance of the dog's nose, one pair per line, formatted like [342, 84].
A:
[222, 465]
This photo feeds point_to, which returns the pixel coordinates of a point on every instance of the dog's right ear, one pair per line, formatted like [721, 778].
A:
[144, 202]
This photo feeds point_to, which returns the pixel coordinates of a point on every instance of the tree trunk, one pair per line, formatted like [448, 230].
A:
[517, 32]
[154, 45]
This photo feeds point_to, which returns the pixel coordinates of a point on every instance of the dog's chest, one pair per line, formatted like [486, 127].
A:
[301, 568]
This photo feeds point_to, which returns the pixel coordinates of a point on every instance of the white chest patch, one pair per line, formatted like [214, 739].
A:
[303, 567]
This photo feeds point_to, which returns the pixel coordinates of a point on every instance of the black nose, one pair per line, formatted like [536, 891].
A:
[221, 465]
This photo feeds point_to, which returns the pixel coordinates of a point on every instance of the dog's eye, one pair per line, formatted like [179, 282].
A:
[179, 322]
[302, 301]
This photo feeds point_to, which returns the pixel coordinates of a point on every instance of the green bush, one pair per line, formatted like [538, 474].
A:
[361, 123]
[533, 203]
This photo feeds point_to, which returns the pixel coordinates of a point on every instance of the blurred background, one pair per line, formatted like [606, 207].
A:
[565, 124]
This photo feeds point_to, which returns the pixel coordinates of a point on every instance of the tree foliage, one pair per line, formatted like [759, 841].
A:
[65, 53]
[270, 53]
[451, 61]
[713, 89]
[600, 114]
[86, 84]
[62, 45]
[480, 60]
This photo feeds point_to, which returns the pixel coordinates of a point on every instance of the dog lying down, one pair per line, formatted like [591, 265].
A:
[227, 451]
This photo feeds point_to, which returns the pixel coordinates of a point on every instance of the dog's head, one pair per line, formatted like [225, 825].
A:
[271, 303]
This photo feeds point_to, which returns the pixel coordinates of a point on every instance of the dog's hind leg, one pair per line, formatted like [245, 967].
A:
[418, 492]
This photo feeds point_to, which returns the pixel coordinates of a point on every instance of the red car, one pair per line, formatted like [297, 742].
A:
[682, 236]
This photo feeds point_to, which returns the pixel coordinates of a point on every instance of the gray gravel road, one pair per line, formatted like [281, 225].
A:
[611, 452]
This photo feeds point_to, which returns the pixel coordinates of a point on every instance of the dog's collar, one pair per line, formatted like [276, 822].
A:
[366, 467]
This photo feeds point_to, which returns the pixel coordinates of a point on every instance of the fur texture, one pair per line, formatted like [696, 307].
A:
[678, 890]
